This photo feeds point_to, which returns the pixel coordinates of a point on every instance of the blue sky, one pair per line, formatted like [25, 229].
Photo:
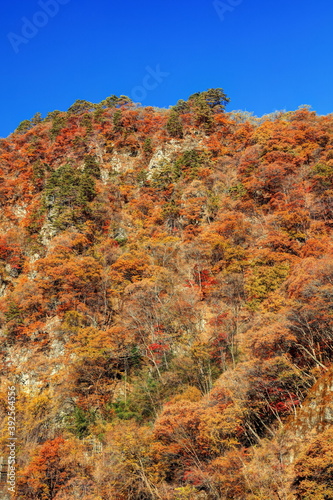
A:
[265, 54]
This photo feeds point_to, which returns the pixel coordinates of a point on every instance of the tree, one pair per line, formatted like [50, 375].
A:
[91, 166]
[174, 125]
[314, 469]
[205, 104]
[181, 107]
[215, 99]
[58, 122]
[24, 126]
[81, 106]
[50, 470]
[114, 102]
[117, 121]
[37, 118]
[68, 193]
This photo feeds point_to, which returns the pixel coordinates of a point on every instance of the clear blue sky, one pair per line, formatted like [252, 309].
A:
[265, 54]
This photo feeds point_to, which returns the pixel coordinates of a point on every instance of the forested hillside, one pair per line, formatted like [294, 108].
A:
[166, 293]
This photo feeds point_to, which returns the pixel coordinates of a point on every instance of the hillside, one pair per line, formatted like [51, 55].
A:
[166, 293]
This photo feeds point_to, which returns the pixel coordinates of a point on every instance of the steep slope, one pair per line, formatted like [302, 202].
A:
[166, 283]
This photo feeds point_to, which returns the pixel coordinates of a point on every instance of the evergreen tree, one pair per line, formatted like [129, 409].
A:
[174, 125]
[91, 166]
[37, 118]
[24, 126]
[81, 106]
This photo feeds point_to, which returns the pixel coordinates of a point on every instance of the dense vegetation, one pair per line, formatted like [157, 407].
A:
[166, 293]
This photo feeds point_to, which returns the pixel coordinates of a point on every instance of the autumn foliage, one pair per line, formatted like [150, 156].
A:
[166, 293]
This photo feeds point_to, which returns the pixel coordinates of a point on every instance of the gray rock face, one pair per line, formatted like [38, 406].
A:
[168, 152]
[314, 416]
[2, 287]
